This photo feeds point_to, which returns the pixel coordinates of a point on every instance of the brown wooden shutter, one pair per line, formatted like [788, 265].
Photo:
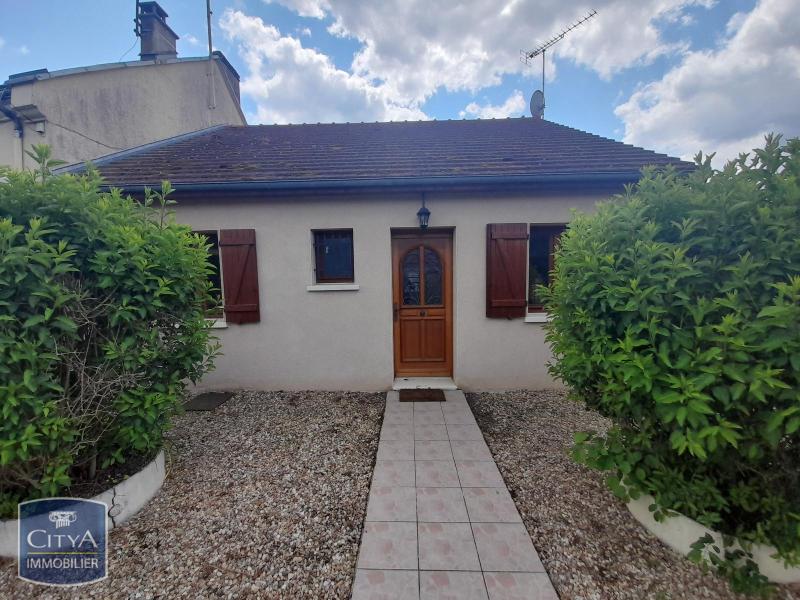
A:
[239, 275]
[506, 269]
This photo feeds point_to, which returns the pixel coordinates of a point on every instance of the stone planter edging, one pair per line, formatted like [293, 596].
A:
[124, 500]
[680, 532]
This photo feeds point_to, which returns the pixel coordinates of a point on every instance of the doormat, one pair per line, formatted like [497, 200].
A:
[422, 396]
[207, 401]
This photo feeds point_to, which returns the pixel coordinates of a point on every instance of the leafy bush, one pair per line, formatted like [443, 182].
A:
[101, 325]
[676, 313]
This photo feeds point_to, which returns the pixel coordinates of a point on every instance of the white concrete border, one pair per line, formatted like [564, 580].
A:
[680, 532]
[124, 500]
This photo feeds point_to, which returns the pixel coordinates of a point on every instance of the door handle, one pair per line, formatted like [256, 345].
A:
[395, 311]
[423, 313]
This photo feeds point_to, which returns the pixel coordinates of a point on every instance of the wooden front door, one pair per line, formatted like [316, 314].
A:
[422, 294]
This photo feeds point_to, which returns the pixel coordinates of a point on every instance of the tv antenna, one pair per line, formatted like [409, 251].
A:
[537, 100]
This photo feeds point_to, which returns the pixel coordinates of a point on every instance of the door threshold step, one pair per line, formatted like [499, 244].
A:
[424, 383]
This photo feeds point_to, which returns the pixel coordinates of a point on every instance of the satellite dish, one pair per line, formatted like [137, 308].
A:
[537, 104]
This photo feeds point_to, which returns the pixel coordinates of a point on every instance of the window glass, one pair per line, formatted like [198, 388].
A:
[215, 277]
[411, 278]
[333, 250]
[433, 277]
[541, 248]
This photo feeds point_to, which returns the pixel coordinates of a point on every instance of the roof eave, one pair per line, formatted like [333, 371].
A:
[437, 182]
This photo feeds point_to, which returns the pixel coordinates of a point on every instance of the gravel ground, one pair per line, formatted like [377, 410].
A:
[589, 543]
[264, 498]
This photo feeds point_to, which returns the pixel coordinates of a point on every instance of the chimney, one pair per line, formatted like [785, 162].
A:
[158, 40]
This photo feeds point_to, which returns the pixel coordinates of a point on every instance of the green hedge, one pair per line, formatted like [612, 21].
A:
[102, 323]
[676, 313]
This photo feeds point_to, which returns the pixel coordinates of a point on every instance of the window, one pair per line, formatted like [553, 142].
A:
[541, 249]
[234, 277]
[239, 259]
[215, 277]
[428, 279]
[506, 270]
[333, 255]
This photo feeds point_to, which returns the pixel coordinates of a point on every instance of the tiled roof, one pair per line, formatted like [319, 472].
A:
[404, 151]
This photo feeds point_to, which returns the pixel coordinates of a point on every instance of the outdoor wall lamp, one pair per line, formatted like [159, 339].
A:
[423, 214]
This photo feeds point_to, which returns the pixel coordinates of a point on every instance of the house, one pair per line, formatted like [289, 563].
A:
[329, 281]
[87, 112]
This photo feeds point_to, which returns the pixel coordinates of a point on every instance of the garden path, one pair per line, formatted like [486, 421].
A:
[440, 521]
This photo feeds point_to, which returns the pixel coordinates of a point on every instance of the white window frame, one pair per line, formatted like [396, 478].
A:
[217, 322]
[350, 286]
[535, 315]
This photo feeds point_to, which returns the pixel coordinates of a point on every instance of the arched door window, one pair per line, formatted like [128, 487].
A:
[421, 269]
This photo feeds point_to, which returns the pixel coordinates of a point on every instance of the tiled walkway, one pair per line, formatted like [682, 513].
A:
[440, 521]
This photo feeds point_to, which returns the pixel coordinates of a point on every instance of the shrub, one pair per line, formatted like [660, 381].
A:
[101, 326]
[676, 313]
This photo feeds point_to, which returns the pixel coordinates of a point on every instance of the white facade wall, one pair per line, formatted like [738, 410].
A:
[343, 340]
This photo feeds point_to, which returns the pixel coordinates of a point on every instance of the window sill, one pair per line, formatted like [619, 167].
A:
[333, 287]
[217, 323]
[537, 317]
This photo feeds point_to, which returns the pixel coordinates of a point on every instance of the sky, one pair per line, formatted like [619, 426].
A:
[675, 76]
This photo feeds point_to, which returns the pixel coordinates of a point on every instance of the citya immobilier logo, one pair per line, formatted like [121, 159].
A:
[63, 541]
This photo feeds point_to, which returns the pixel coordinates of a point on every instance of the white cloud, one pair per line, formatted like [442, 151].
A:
[24, 50]
[305, 8]
[2, 42]
[623, 35]
[417, 46]
[735, 22]
[514, 106]
[411, 49]
[190, 39]
[294, 84]
[725, 99]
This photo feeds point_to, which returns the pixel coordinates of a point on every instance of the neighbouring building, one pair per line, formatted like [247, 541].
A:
[331, 277]
[86, 112]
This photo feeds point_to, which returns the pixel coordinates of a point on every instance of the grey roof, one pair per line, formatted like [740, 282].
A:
[330, 155]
